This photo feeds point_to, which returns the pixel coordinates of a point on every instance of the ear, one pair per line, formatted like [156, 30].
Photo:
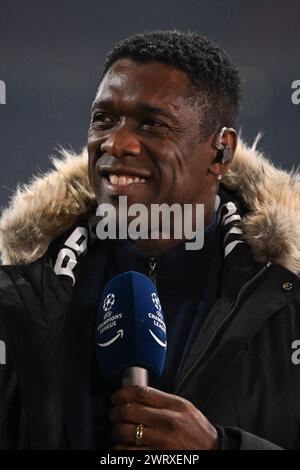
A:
[226, 138]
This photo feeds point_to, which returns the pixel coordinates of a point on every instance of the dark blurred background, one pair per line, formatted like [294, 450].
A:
[51, 56]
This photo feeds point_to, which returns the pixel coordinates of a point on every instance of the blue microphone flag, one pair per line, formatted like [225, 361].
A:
[130, 330]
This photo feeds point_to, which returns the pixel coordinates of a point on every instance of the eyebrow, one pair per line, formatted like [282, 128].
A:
[142, 108]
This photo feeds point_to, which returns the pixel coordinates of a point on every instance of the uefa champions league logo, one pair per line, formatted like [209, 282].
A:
[108, 302]
[156, 301]
[158, 322]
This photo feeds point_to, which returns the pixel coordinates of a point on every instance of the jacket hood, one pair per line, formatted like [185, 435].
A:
[53, 201]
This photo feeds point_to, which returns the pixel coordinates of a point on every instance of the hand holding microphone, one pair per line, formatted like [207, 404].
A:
[131, 336]
[131, 343]
[169, 422]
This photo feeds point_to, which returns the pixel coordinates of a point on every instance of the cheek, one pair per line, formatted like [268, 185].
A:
[188, 171]
[197, 163]
[94, 181]
[93, 147]
[172, 184]
[91, 168]
[90, 163]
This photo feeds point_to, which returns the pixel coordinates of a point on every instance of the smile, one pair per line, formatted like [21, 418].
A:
[124, 180]
[123, 184]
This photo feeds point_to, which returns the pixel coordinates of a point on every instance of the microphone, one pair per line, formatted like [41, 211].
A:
[131, 339]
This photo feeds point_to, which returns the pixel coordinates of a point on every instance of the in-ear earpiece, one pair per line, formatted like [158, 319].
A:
[224, 153]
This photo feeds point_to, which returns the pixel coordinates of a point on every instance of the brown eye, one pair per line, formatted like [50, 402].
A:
[152, 124]
[102, 119]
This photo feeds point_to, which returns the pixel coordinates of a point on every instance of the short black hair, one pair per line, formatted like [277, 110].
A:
[215, 82]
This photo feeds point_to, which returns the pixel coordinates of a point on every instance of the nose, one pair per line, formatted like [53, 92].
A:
[121, 143]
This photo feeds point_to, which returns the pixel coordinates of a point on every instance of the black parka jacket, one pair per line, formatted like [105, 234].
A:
[243, 371]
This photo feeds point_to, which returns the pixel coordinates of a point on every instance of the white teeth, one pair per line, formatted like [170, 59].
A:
[113, 179]
[125, 180]
[122, 180]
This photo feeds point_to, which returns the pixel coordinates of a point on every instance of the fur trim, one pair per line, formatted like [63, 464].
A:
[45, 208]
[272, 227]
[52, 202]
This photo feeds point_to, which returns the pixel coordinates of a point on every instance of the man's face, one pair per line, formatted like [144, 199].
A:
[144, 139]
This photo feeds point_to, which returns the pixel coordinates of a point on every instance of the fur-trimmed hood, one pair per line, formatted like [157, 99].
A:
[52, 202]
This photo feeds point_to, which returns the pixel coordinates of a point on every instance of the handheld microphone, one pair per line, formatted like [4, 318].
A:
[131, 339]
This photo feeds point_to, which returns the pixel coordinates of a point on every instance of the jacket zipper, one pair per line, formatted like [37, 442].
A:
[225, 319]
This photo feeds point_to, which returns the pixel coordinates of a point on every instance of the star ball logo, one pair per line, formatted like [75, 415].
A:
[108, 302]
[156, 301]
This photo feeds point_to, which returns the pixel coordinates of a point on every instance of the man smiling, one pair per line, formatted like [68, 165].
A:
[161, 132]
[148, 129]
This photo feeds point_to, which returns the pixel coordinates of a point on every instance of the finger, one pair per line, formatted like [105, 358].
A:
[147, 396]
[125, 434]
[136, 413]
